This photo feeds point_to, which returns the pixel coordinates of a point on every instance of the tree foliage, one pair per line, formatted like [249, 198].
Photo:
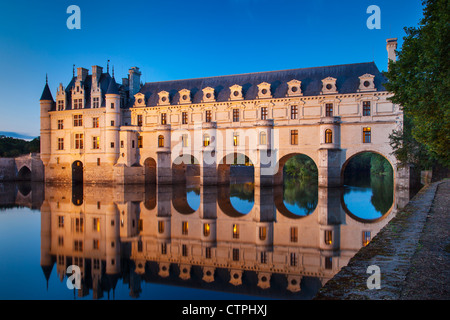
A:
[420, 81]
[12, 147]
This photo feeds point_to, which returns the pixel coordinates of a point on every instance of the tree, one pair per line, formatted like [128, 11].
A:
[420, 79]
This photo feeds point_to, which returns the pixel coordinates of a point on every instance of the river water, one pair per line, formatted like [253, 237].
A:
[184, 242]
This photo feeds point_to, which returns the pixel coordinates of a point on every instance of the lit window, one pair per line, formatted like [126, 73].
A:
[328, 237]
[367, 135]
[160, 141]
[184, 227]
[140, 142]
[96, 224]
[294, 137]
[235, 231]
[366, 237]
[262, 233]
[206, 229]
[328, 136]
[95, 142]
[139, 120]
[235, 139]
[329, 110]
[206, 140]
[366, 108]
[163, 118]
[160, 226]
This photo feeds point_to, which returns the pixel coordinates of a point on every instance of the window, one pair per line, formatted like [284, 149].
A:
[60, 143]
[235, 231]
[112, 105]
[163, 248]
[235, 254]
[60, 222]
[184, 117]
[139, 120]
[121, 143]
[263, 257]
[366, 108]
[294, 137]
[96, 224]
[160, 141]
[367, 135]
[328, 263]
[163, 118]
[208, 252]
[235, 139]
[262, 233]
[294, 259]
[328, 237]
[329, 110]
[206, 229]
[79, 141]
[79, 225]
[294, 112]
[365, 238]
[184, 227]
[206, 140]
[140, 142]
[112, 144]
[77, 120]
[132, 144]
[95, 102]
[294, 234]
[208, 116]
[328, 136]
[96, 244]
[160, 226]
[112, 123]
[60, 241]
[141, 225]
[77, 103]
[235, 115]
[262, 138]
[60, 124]
[95, 142]
[264, 113]
[78, 245]
[184, 250]
[184, 140]
[95, 122]
[60, 105]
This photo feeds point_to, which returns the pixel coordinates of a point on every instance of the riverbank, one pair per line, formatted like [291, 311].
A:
[412, 252]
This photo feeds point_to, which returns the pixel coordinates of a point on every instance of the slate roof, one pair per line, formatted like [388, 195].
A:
[46, 94]
[347, 82]
[112, 87]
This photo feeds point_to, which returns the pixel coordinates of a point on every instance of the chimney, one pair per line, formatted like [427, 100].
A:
[135, 80]
[96, 74]
[82, 73]
[391, 46]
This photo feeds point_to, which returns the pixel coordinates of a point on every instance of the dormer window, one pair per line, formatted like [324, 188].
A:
[208, 94]
[96, 102]
[163, 98]
[185, 96]
[139, 99]
[366, 83]
[60, 105]
[264, 90]
[78, 103]
[236, 92]
[329, 86]
[294, 88]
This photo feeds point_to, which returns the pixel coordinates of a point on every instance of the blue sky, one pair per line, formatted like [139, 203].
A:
[171, 40]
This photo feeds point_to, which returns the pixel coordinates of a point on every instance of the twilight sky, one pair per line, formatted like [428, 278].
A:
[174, 39]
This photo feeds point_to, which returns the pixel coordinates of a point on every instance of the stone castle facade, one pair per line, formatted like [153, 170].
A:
[99, 131]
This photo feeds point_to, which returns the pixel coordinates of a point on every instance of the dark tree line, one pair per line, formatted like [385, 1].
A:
[12, 147]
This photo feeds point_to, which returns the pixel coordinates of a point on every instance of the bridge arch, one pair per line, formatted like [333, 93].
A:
[24, 174]
[183, 166]
[150, 170]
[77, 171]
[280, 175]
[243, 168]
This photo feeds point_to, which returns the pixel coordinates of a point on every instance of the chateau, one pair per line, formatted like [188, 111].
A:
[97, 130]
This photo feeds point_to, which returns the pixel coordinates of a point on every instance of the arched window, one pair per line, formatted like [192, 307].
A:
[328, 136]
[262, 138]
[206, 140]
[160, 141]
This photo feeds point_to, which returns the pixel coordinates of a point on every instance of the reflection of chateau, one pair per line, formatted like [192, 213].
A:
[153, 235]
[98, 131]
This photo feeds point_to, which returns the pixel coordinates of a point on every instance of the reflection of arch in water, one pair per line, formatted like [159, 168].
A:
[183, 166]
[278, 196]
[237, 166]
[224, 202]
[180, 201]
[150, 170]
[24, 174]
[279, 176]
[359, 219]
[77, 194]
[150, 196]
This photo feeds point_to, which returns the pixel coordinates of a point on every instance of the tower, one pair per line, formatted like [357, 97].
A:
[112, 124]
[391, 46]
[46, 103]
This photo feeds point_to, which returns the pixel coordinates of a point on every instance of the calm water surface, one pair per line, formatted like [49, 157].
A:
[233, 242]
